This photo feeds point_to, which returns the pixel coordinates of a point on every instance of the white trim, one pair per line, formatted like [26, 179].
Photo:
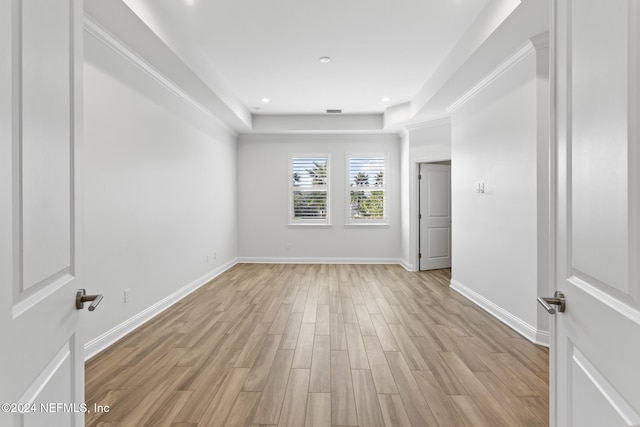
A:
[620, 307]
[367, 225]
[100, 343]
[523, 328]
[524, 51]
[426, 125]
[608, 391]
[407, 266]
[316, 137]
[542, 338]
[59, 280]
[541, 41]
[31, 394]
[317, 260]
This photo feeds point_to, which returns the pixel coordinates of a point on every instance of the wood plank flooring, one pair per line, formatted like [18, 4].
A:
[321, 345]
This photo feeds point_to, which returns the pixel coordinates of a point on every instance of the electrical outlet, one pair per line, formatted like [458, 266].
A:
[208, 258]
[288, 246]
[126, 295]
[215, 255]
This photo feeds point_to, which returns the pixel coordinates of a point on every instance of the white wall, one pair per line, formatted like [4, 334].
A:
[495, 139]
[159, 194]
[431, 140]
[406, 200]
[425, 142]
[263, 201]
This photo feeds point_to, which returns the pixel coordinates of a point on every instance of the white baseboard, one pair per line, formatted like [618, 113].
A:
[317, 260]
[542, 338]
[520, 326]
[407, 266]
[100, 343]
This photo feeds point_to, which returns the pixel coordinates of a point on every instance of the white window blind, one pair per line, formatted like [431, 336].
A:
[366, 189]
[309, 185]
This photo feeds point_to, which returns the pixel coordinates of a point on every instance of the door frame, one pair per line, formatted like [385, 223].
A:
[552, 208]
[414, 205]
[418, 205]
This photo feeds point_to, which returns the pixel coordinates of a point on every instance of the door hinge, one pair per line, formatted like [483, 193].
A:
[419, 216]
[420, 176]
[419, 255]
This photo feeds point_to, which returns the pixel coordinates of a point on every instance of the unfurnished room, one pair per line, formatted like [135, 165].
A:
[320, 213]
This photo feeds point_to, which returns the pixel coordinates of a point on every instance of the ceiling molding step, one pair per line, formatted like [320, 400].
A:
[429, 124]
[319, 137]
[109, 40]
[117, 27]
[482, 28]
[322, 123]
[524, 51]
[396, 115]
[541, 41]
[527, 21]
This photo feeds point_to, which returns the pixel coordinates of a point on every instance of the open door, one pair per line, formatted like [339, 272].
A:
[435, 216]
[595, 349]
[42, 359]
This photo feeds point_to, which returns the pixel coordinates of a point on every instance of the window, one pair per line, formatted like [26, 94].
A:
[309, 189]
[366, 189]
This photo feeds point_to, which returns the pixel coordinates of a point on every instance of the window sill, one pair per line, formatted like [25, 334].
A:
[309, 225]
[369, 225]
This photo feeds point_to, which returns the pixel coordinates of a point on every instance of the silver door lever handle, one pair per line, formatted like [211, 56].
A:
[82, 297]
[558, 299]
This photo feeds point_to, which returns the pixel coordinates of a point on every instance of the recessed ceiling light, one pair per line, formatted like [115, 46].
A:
[324, 59]
[257, 108]
[265, 100]
[385, 99]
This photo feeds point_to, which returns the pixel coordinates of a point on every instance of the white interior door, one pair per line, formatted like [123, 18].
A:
[435, 216]
[596, 341]
[40, 116]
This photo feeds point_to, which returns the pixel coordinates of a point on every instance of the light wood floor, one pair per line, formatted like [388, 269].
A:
[321, 345]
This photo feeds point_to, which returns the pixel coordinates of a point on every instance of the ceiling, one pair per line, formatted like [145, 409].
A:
[271, 48]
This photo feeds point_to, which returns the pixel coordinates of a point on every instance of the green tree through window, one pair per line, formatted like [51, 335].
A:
[367, 189]
[309, 185]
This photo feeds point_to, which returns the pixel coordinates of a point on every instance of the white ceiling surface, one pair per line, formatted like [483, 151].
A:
[270, 48]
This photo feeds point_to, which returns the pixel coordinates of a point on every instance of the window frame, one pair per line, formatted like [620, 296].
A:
[350, 221]
[308, 222]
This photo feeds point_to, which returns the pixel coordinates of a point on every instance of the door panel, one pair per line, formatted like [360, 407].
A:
[40, 125]
[599, 225]
[596, 395]
[45, 141]
[435, 216]
[596, 343]
[48, 390]
[438, 239]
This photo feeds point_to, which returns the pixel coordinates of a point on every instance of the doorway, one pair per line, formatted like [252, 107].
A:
[434, 215]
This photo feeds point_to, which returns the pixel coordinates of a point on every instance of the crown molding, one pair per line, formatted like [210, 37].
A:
[518, 56]
[109, 40]
[541, 41]
[429, 124]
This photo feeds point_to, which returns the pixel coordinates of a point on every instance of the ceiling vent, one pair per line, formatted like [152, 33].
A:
[334, 111]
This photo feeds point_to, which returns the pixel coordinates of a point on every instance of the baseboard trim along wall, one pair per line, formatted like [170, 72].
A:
[317, 260]
[100, 343]
[529, 332]
[407, 265]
